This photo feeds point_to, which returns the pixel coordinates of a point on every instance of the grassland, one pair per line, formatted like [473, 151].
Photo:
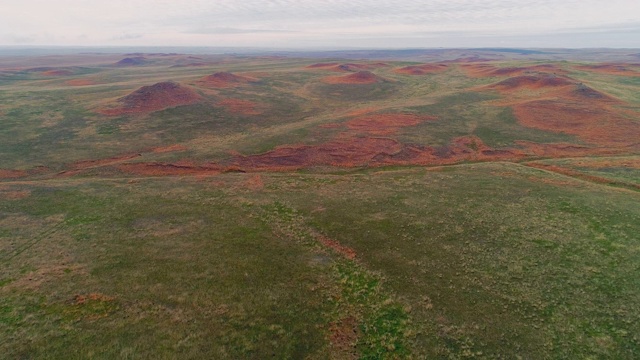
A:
[292, 217]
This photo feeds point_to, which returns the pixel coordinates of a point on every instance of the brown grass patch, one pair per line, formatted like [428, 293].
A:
[360, 77]
[12, 174]
[80, 82]
[490, 70]
[170, 148]
[57, 72]
[385, 124]
[243, 107]
[15, 194]
[156, 97]
[610, 69]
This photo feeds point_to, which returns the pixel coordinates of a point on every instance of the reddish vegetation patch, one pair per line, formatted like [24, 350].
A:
[385, 124]
[170, 148]
[342, 152]
[590, 120]
[12, 174]
[153, 98]
[610, 69]
[80, 82]
[422, 69]
[225, 79]
[237, 106]
[361, 77]
[349, 151]
[57, 73]
[166, 169]
[489, 70]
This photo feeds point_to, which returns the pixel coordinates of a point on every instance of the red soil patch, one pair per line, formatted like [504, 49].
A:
[343, 337]
[12, 174]
[225, 79]
[489, 70]
[610, 69]
[358, 78]
[422, 69]
[153, 98]
[170, 148]
[385, 124]
[166, 169]
[57, 73]
[243, 107]
[345, 251]
[254, 183]
[80, 82]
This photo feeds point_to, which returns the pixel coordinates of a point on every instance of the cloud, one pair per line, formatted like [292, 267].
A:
[281, 22]
[203, 30]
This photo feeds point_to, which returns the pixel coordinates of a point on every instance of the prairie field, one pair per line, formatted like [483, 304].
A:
[168, 206]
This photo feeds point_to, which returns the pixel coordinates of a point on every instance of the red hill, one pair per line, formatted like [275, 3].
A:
[421, 69]
[360, 77]
[153, 98]
[225, 79]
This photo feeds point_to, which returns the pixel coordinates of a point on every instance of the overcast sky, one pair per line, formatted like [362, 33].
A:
[322, 23]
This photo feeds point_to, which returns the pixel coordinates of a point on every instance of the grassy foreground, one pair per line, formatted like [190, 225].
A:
[493, 260]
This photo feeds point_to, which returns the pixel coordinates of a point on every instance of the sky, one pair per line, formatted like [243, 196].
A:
[322, 24]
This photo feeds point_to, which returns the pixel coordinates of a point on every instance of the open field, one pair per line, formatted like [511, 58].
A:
[217, 206]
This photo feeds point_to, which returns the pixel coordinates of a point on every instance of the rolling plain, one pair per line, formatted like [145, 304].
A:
[162, 205]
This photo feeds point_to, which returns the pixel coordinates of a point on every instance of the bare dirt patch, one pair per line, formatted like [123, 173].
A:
[156, 97]
[343, 336]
